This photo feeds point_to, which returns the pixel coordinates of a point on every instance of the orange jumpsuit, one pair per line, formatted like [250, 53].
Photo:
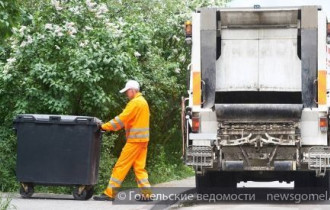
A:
[135, 120]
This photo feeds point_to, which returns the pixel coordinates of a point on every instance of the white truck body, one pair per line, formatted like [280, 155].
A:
[264, 101]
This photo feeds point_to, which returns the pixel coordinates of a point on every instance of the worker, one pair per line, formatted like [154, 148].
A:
[135, 120]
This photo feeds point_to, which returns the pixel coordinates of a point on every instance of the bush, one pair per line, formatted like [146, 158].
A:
[8, 161]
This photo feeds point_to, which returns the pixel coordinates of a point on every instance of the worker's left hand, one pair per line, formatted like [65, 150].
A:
[100, 126]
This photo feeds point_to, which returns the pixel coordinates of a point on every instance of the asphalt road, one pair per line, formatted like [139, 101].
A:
[189, 200]
[66, 202]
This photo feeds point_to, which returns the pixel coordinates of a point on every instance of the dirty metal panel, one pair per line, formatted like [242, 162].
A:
[309, 51]
[287, 33]
[237, 67]
[309, 66]
[279, 65]
[208, 55]
[239, 34]
[243, 18]
[259, 60]
[309, 17]
[208, 19]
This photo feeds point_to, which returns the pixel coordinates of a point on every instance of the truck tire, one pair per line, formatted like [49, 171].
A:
[215, 182]
[307, 182]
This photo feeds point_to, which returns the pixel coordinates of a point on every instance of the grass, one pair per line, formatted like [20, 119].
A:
[5, 202]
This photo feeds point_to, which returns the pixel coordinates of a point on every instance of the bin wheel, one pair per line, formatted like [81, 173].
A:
[26, 190]
[83, 192]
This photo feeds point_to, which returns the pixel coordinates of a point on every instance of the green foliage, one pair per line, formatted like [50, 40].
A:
[7, 160]
[5, 202]
[161, 170]
[72, 57]
[9, 15]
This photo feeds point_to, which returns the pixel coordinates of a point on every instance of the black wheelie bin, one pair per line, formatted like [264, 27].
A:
[58, 150]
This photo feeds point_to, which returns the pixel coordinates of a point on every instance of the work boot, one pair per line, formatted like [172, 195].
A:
[103, 197]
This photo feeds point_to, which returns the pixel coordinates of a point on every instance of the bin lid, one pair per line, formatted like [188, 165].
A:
[56, 119]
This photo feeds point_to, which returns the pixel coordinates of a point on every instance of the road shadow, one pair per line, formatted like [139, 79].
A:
[48, 197]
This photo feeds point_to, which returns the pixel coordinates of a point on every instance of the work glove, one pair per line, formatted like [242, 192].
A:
[100, 126]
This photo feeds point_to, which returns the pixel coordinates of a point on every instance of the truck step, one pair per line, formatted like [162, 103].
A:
[319, 159]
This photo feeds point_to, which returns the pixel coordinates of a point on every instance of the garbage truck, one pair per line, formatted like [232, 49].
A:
[257, 102]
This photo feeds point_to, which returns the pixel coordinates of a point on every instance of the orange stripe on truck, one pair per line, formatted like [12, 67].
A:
[197, 88]
[322, 87]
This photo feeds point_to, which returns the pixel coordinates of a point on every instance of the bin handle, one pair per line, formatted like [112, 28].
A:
[27, 117]
[55, 118]
[82, 120]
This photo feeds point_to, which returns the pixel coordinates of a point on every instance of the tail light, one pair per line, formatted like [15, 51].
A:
[195, 123]
[323, 124]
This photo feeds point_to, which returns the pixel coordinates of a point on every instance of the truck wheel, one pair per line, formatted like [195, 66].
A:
[85, 194]
[215, 181]
[308, 182]
[26, 190]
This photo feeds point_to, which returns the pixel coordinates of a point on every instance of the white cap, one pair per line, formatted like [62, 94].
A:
[130, 84]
